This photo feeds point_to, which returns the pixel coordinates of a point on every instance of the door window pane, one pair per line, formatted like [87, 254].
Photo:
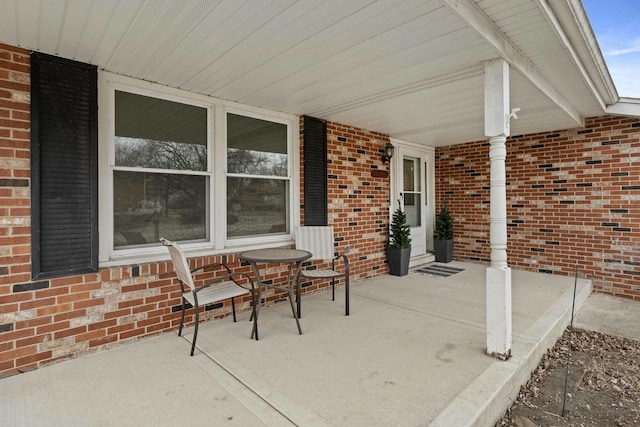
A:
[412, 208]
[408, 174]
[150, 205]
[256, 206]
[411, 190]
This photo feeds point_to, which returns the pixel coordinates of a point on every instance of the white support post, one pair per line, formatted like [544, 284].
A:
[498, 285]
[498, 198]
[498, 275]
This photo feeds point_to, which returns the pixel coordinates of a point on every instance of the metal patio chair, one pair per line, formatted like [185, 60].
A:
[320, 242]
[214, 290]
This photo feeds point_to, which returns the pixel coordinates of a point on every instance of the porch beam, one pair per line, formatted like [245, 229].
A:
[476, 19]
[498, 274]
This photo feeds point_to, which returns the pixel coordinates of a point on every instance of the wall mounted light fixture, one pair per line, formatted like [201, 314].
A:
[388, 152]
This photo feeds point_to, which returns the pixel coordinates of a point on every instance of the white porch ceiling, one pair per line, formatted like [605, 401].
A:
[412, 68]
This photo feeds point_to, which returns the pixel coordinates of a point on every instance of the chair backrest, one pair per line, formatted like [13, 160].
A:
[317, 240]
[180, 264]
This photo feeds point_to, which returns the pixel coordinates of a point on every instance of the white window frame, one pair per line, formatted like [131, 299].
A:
[230, 243]
[217, 111]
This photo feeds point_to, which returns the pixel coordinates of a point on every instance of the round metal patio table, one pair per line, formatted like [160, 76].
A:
[294, 257]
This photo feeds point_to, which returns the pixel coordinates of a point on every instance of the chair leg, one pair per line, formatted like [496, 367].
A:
[346, 298]
[181, 319]
[233, 308]
[195, 332]
[333, 289]
[298, 298]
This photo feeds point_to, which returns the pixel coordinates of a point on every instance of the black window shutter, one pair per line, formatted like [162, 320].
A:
[315, 171]
[64, 166]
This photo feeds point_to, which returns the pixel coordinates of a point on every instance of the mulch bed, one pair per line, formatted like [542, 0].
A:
[603, 387]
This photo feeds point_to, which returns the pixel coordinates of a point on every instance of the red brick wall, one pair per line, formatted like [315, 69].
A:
[15, 196]
[15, 200]
[573, 197]
[60, 318]
[358, 184]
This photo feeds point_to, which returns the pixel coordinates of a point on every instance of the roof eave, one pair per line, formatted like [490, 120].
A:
[571, 23]
[625, 107]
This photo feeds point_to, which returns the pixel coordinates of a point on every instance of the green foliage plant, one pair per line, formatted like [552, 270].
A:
[444, 224]
[399, 231]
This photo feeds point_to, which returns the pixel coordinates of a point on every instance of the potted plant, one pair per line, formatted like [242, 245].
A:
[443, 236]
[399, 246]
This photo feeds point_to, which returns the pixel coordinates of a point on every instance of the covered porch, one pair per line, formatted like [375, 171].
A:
[412, 352]
[441, 79]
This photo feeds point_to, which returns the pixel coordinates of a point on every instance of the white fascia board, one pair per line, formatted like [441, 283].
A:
[477, 20]
[625, 107]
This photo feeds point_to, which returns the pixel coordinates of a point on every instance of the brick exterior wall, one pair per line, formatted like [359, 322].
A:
[358, 185]
[15, 196]
[15, 201]
[359, 196]
[61, 318]
[573, 198]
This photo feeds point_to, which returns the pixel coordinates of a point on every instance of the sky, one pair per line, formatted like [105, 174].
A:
[616, 24]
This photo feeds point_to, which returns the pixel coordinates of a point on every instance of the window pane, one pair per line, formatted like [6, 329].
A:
[147, 206]
[412, 208]
[256, 206]
[256, 147]
[156, 133]
[408, 174]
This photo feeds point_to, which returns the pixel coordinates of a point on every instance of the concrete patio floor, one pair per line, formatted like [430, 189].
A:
[412, 353]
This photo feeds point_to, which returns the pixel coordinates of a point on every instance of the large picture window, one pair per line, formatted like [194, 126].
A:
[193, 171]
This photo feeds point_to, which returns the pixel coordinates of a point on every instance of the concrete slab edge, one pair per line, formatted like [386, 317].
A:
[288, 407]
[253, 403]
[487, 398]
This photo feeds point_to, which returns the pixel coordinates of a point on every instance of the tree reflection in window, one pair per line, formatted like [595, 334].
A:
[155, 154]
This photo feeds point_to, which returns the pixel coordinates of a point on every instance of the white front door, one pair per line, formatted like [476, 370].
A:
[414, 188]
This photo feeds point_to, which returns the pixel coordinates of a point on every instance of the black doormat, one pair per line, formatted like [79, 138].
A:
[439, 270]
